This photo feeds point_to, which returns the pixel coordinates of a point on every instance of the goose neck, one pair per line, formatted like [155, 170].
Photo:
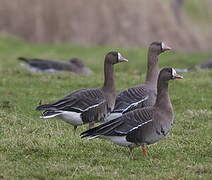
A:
[152, 69]
[109, 83]
[162, 94]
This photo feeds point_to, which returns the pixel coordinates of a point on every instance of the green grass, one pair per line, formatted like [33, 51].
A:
[33, 148]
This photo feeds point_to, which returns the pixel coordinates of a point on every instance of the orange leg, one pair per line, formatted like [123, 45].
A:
[144, 150]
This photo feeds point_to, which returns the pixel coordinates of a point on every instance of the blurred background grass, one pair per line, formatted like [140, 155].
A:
[185, 24]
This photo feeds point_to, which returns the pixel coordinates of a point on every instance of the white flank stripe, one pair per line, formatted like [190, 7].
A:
[140, 125]
[136, 103]
[77, 108]
[51, 116]
[93, 137]
[94, 106]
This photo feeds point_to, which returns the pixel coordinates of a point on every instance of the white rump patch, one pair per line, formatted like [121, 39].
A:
[68, 116]
[71, 117]
[120, 140]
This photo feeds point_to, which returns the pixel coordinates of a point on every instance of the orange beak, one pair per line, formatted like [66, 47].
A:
[165, 47]
[177, 76]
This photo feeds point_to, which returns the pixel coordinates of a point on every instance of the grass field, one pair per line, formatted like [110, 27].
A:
[33, 148]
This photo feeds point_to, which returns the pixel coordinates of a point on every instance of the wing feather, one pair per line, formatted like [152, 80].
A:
[121, 125]
[80, 100]
[131, 99]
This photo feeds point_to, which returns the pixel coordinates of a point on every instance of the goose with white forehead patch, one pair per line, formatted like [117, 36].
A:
[142, 95]
[75, 65]
[87, 105]
[142, 126]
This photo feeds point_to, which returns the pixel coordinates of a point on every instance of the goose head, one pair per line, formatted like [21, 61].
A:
[114, 57]
[167, 74]
[77, 62]
[158, 47]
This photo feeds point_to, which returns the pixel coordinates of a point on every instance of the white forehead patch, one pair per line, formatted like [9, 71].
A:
[119, 56]
[163, 45]
[173, 72]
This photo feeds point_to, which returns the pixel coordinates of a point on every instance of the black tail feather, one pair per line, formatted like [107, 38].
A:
[103, 129]
[43, 107]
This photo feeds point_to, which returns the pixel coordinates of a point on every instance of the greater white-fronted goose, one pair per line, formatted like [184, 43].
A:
[41, 65]
[141, 126]
[142, 95]
[87, 105]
